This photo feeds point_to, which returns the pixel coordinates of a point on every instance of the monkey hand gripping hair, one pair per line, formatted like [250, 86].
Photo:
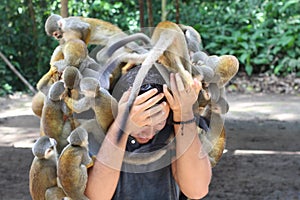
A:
[42, 174]
[53, 121]
[97, 98]
[73, 163]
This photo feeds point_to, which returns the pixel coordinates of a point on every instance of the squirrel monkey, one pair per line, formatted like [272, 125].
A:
[89, 30]
[42, 174]
[54, 121]
[45, 83]
[71, 78]
[192, 37]
[73, 163]
[74, 52]
[97, 98]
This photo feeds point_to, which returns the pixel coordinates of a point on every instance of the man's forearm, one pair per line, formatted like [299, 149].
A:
[193, 168]
[104, 175]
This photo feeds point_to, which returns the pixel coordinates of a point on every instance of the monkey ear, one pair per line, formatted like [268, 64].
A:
[53, 141]
[69, 139]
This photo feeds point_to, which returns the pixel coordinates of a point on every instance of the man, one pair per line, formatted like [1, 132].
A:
[147, 130]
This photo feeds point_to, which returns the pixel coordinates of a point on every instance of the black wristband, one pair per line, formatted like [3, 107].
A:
[185, 122]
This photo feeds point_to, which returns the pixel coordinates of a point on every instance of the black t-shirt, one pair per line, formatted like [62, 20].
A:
[150, 181]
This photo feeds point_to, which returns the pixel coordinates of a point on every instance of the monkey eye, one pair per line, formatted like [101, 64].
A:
[49, 150]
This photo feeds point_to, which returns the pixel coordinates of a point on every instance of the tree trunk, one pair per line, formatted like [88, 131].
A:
[150, 16]
[163, 10]
[141, 7]
[64, 8]
[177, 11]
[17, 73]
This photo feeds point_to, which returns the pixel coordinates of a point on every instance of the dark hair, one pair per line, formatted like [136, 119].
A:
[148, 86]
[153, 78]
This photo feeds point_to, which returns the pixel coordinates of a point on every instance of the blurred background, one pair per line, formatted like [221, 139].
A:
[262, 34]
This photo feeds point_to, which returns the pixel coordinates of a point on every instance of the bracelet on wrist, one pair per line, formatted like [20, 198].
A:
[185, 122]
[182, 123]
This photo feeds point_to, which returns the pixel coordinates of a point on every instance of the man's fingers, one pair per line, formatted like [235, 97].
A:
[125, 96]
[145, 96]
[151, 102]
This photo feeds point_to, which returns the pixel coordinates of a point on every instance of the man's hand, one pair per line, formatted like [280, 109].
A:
[143, 111]
[183, 97]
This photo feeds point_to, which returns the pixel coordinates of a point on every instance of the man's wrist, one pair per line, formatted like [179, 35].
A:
[183, 115]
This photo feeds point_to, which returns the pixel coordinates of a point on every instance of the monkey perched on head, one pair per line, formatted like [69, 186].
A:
[42, 174]
[73, 163]
[89, 30]
[192, 37]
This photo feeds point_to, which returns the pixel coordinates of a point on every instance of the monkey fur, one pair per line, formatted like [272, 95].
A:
[97, 98]
[42, 174]
[122, 57]
[53, 121]
[89, 30]
[192, 38]
[73, 163]
[55, 193]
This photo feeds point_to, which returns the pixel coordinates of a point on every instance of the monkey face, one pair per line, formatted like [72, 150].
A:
[57, 34]
[49, 152]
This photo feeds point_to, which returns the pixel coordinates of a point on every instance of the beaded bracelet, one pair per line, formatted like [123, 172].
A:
[182, 123]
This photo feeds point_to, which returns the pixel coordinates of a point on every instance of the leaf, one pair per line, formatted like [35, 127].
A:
[249, 70]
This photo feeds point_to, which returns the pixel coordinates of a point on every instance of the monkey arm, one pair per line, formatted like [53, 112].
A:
[78, 106]
[46, 81]
[57, 55]
[86, 159]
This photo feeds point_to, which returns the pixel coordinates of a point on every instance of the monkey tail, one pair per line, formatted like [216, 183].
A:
[137, 36]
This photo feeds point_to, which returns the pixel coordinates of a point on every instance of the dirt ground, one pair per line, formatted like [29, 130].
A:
[261, 161]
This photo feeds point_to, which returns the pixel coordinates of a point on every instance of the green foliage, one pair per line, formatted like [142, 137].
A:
[24, 43]
[264, 35]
